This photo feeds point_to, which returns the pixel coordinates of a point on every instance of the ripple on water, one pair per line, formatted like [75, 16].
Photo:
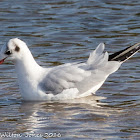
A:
[64, 31]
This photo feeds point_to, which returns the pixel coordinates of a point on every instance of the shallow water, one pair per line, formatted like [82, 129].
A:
[64, 31]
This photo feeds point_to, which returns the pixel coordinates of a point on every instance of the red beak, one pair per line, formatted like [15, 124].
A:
[1, 61]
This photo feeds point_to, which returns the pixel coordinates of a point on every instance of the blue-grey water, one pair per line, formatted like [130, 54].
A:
[61, 31]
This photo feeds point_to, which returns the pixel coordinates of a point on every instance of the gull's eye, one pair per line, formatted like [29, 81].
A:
[8, 52]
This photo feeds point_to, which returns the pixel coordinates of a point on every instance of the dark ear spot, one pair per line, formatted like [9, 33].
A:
[17, 49]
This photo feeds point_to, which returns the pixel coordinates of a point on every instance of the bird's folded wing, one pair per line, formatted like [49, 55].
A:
[80, 76]
[63, 77]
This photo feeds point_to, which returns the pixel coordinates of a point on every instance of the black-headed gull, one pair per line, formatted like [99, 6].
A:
[67, 81]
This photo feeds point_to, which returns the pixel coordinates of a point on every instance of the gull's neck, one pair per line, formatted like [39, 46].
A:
[29, 75]
[27, 66]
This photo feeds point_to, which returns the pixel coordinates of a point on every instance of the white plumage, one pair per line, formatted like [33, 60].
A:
[68, 81]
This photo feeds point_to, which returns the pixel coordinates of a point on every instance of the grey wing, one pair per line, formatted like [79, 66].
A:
[63, 77]
[82, 77]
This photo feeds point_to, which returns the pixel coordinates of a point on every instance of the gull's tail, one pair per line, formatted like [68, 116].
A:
[125, 54]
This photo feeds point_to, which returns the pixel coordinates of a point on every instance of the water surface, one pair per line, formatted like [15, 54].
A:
[64, 31]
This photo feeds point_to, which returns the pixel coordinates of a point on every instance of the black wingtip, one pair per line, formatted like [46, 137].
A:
[125, 54]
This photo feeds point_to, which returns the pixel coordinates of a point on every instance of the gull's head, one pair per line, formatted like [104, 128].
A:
[13, 49]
